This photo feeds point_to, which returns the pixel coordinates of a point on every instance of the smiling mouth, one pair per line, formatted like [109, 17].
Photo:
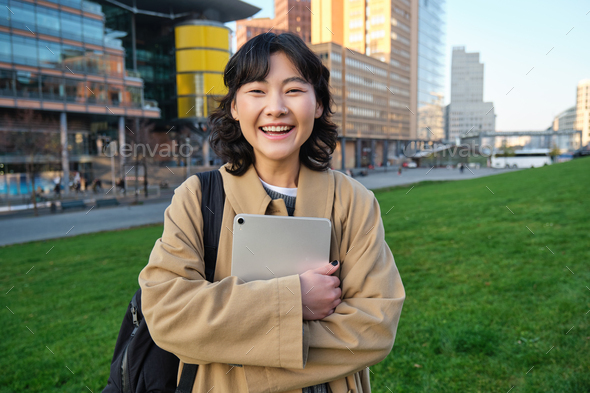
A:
[276, 132]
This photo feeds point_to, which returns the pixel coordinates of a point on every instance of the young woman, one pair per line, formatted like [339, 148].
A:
[314, 332]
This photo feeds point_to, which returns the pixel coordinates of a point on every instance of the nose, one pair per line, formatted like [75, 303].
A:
[276, 106]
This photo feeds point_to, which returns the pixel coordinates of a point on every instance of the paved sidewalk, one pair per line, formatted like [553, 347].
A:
[391, 178]
[26, 229]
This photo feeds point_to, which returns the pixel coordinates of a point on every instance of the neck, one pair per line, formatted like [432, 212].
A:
[279, 173]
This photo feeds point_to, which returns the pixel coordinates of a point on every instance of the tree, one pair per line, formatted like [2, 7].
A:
[555, 151]
[32, 135]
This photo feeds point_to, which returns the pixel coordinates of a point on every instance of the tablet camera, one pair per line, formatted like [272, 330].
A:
[240, 220]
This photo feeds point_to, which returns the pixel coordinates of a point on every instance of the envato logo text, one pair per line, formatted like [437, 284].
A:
[141, 149]
[413, 150]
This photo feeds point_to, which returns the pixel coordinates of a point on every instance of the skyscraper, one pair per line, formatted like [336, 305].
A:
[583, 110]
[290, 15]
[468, 112]
[431, 55]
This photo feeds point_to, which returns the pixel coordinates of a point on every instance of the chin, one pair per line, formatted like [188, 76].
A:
[278, 155]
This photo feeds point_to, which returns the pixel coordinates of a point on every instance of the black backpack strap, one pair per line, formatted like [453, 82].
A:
[187, 378]
[212, 202]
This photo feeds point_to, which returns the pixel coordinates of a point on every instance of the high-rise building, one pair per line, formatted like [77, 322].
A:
[374, 121]
[290, 15]
[431, 69]
[583, 110]
[468, 112]
[378, 72]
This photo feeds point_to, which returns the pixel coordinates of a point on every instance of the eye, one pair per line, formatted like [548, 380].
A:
[254, 91]
[295, 90]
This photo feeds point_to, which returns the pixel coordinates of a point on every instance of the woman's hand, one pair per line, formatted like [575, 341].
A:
[320, 292]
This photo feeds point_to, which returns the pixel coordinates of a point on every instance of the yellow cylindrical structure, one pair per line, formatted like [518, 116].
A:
[202, 52]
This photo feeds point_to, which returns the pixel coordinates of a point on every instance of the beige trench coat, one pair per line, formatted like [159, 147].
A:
[259, 324]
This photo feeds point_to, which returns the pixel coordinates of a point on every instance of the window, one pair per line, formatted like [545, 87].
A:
[6, 83]
[113, 65]
[114, 95]
[77, 4]
[189, 83]
[52, 88]
[94, 62]
[93, 31]
[25, 50]
[355, 23]
[5, 50]
[4, 18]
[71, 26]
[75, 90]
[47, 21]
[22, 15]
[73, 57]
[49, 54]
[27, 84]
[133, 96]
[96, 92]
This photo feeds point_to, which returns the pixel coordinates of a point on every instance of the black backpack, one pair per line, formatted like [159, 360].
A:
[139, 365]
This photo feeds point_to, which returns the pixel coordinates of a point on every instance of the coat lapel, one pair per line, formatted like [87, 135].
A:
[315, 192]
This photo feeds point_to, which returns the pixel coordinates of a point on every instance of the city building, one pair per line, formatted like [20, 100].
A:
[180, 49]
[431, 69]
[468, 112]
[583, 110]
[370, 109]
[565, 120]
[57, 58]
[290, 15]
[94, 70]
[376, 80]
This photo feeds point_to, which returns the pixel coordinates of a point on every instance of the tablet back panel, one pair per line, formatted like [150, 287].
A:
[266, 247]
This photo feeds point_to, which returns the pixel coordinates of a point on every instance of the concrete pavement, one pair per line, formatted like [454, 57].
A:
[26, 229]
[390, 178]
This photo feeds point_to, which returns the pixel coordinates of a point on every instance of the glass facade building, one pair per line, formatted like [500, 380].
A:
[58, 59]
[67, 36]
[95, 69]
[431, 69]
[154, 54]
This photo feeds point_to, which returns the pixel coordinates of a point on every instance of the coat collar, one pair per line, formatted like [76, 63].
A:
[315, 192]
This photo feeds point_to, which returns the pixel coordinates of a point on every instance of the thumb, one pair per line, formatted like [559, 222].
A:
[328, 268]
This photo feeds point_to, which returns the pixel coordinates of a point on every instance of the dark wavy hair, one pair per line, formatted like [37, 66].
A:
[251, 63]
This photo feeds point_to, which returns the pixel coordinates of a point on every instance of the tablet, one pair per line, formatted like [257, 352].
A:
[266, 247]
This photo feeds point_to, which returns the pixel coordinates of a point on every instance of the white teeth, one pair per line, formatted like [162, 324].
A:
[276, 129]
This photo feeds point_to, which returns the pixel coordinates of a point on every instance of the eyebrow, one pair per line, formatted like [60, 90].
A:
[291, 79]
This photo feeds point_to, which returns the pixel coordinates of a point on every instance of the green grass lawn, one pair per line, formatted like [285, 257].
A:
[488, 299]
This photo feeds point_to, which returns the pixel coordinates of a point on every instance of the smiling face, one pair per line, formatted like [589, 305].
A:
[283, 97]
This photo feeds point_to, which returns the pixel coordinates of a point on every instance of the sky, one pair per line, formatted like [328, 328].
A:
[512, 37]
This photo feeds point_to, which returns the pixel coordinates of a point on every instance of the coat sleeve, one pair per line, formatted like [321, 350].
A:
[228, 321]
[361, 331]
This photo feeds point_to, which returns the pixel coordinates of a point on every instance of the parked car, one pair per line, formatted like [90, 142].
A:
[410, 164]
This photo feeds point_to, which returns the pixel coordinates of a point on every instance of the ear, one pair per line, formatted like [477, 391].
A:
[234, 112]
[319, 110]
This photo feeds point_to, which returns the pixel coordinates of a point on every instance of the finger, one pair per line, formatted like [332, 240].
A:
[336, 282]
[329, 268]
